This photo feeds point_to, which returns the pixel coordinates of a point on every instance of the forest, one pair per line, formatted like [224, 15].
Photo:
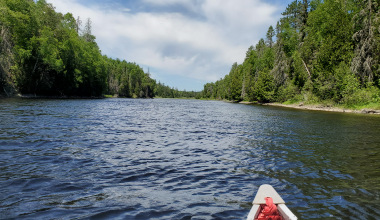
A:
[319, 52]
[45, 53]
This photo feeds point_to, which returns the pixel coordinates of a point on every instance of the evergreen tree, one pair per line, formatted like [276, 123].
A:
[316, 43]
[41, 53]
[270, 35]
[365, 64]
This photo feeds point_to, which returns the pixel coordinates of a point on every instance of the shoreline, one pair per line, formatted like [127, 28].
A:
[300, 106]
[32, 96]
[316, 107]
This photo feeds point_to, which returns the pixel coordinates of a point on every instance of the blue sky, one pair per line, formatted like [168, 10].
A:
[183, 43]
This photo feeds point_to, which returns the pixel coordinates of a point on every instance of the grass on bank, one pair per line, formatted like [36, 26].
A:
[367, 98]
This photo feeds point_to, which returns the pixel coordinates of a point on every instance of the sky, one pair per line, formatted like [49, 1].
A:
[182, 43]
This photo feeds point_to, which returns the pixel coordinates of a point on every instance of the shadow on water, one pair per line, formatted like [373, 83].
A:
[182, 159]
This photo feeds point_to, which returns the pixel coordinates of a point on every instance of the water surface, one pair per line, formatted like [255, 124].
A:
[182, 159]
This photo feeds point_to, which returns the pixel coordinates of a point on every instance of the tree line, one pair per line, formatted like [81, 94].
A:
[46, 53]
[320, 50]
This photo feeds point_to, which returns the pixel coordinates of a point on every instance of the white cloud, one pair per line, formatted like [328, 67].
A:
[174, 43]
[168, 2]
[191, 5]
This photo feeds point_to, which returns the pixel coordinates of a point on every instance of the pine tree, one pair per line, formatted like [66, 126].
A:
[367, 40]
[87, 31]
[270, 35]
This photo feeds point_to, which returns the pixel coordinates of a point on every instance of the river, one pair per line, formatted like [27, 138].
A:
[183, 159]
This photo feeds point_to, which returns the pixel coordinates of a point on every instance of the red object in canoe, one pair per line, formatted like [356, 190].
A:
[273, 208]
[269, 211]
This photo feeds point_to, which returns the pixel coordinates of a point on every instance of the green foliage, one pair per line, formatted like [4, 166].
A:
[289, 37]
[346, 83]
[128, 80]
[236, 82]
[288, 92]
[50, 58]
[362, 97]
[329, 37]
[325, 52]
[270, 35]
[366, 24]
[307, 96]
[264, 88]
[164, 91]
[298, 72]
[48, 49]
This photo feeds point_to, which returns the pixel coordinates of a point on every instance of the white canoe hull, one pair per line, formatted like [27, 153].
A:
[268, 191]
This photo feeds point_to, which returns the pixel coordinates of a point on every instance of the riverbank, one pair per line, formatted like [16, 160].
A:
[32, 96]
[320, 107]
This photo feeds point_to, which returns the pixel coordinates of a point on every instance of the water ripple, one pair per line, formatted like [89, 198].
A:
[182, 159]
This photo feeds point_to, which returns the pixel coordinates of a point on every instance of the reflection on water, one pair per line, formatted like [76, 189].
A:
[183, 159]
